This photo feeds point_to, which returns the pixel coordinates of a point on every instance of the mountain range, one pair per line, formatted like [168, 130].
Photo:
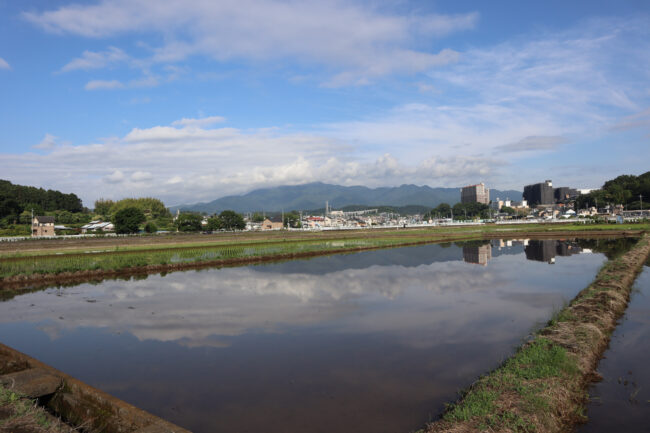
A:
[314, 195]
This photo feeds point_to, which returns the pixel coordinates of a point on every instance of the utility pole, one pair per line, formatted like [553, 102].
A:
[641, 200]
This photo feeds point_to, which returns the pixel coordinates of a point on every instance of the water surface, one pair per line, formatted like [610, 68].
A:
[375, 341]
[621, 402]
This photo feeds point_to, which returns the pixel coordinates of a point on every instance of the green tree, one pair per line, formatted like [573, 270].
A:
[214, 223]
[257, 217]
[508, 210]
[292, 219]
[10, 208]
[189, 222]
[468, 211]
[231, 220]
[128, 220]
[25, 217]
[152, 207]
[103, 207]
[443, 210]
[150, 227]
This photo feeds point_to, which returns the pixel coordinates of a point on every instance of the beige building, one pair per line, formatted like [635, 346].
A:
[475, 194]
[272, 224]
[43, 226]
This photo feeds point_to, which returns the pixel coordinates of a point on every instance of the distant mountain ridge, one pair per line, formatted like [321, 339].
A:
[314, 195]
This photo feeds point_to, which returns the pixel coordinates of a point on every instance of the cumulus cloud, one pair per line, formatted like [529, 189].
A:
[4, 64]
[189, 162]
[104, 85]
[357, 40]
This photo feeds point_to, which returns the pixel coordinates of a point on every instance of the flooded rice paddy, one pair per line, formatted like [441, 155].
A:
[621, 402]
[375, 341]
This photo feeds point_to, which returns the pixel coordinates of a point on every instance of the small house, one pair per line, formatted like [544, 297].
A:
[43, 226]
[274, 223]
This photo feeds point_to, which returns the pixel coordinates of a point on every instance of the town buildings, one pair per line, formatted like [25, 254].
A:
[478, 193]
[544, 193]
[539, 193]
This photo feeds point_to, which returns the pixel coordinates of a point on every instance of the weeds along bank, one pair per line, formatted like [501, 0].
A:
[543, 386]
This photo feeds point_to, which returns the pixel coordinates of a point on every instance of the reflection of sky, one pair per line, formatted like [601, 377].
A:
[365, 326]
[621, 402]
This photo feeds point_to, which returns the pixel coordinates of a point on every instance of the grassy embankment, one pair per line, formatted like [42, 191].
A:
[33, 259]
[542, 387]
[22, 414]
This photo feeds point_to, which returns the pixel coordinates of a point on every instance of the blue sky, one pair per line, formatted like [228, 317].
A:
[192, 100]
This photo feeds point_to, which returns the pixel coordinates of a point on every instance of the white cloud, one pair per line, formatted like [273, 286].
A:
[141, 176]
[48, 142]
[4, 64]
[358, 41]
[202, 122]
[96, 60]
[532, 143]
[104, 85]
[191, 163]
[115, 177]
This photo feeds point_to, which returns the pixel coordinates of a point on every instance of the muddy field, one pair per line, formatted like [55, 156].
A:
[190, 239]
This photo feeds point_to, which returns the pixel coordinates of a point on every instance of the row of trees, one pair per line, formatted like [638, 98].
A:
[18, 199]
[152, 208]
[129, 220]
[226, 220]
[460, 211]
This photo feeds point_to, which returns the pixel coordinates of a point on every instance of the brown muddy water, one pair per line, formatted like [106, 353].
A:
[375, 341]
[621, 402]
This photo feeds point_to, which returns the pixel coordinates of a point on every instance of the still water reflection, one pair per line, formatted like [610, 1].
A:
[374, 341]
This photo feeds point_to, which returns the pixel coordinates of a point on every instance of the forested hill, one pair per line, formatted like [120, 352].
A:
[314, 195]
[14, 199]
[629, 190]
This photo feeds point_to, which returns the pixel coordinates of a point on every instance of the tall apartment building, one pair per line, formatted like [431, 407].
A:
[565, 193]
[475, 194]
[539, 193]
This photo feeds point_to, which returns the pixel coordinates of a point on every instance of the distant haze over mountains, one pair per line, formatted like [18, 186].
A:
[314, 196]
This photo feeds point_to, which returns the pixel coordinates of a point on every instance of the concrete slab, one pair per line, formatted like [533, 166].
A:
[32, 382]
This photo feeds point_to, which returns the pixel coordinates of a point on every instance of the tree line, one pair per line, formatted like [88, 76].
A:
[459, 211]
[16, 199]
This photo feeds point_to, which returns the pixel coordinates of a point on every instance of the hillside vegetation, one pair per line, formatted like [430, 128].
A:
[624, 189]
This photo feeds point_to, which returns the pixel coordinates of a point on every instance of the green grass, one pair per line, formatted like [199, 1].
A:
[25, 412]
[55, 264]
[524, 374]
